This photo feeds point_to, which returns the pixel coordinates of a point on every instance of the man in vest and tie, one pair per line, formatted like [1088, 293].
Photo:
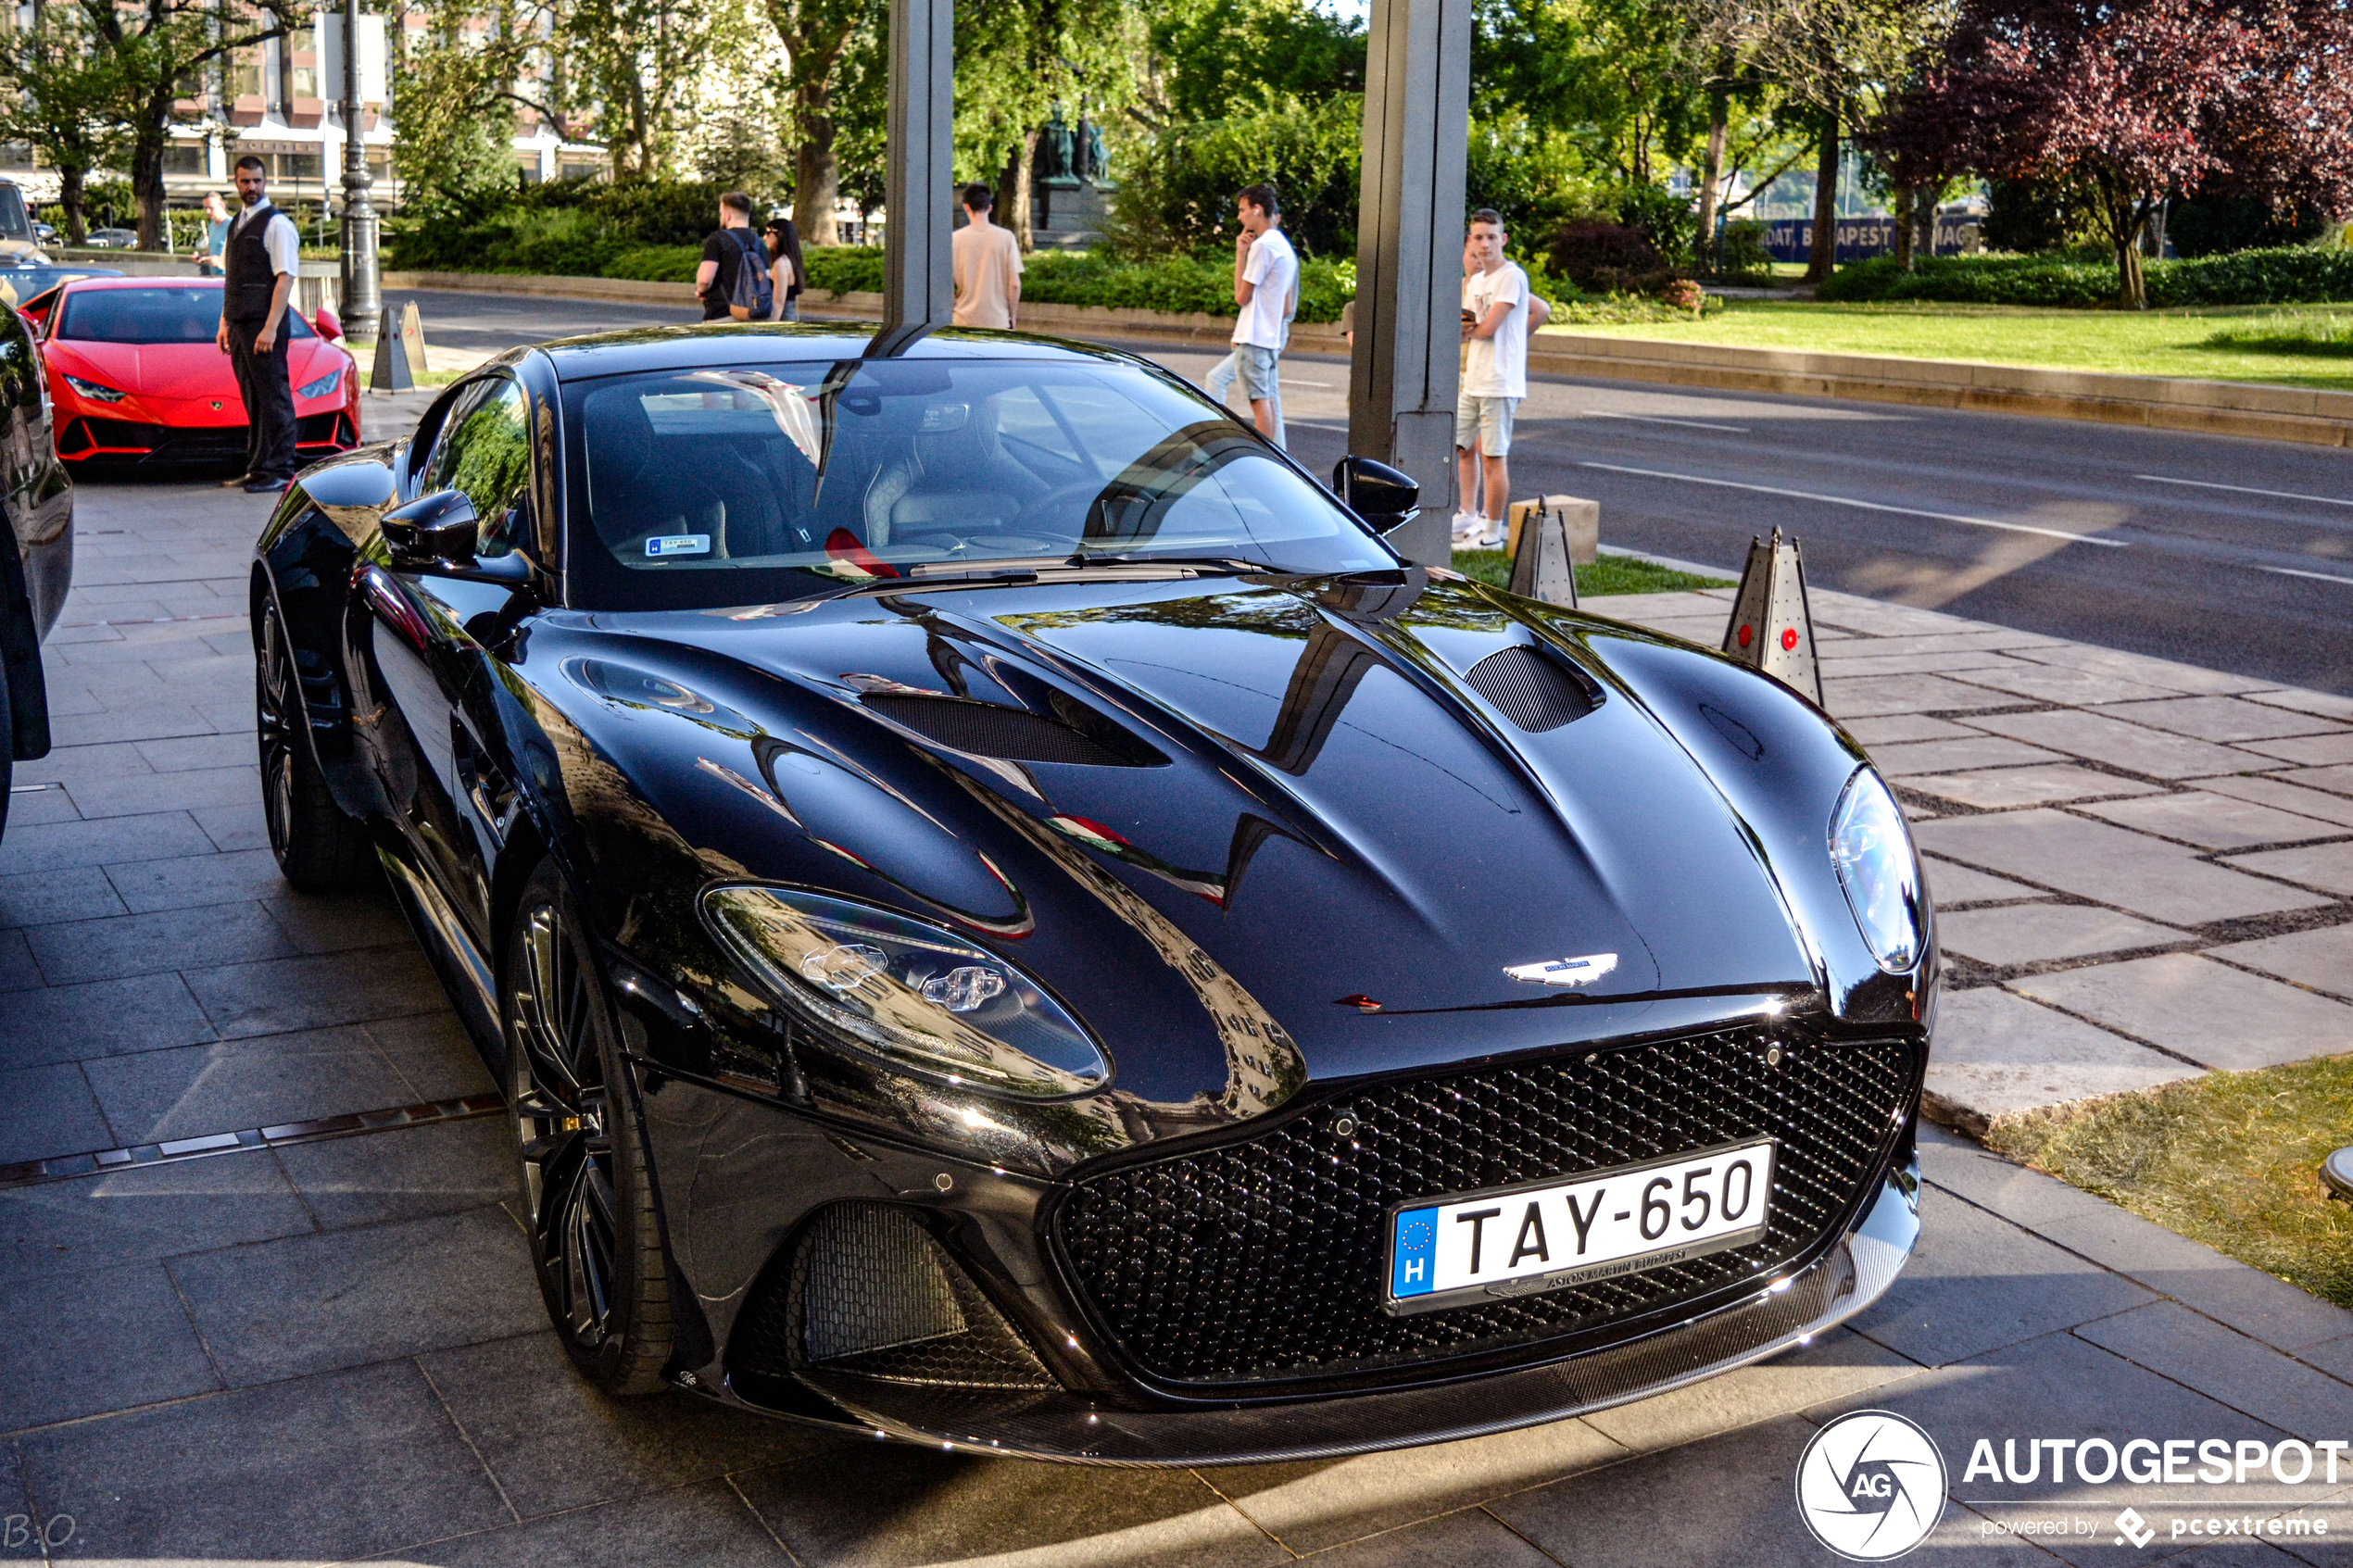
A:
[259, 263]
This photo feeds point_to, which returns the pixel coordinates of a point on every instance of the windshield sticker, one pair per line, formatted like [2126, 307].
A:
[679, 544]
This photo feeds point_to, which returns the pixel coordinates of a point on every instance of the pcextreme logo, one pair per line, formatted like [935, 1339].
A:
[1870, 1485]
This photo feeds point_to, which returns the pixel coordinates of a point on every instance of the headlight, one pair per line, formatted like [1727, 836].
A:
[321, 388]
[1873, 851]
[918, 996]
[94, 391]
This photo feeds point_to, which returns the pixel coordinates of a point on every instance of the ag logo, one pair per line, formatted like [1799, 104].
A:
[1870, 1485]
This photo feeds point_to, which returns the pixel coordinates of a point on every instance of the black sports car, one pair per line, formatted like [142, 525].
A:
[36, 546]
[1008, 918]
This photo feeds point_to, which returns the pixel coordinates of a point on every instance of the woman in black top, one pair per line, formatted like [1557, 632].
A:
[785, 271]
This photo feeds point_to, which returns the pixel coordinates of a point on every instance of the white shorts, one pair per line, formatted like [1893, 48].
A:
[1484, 423]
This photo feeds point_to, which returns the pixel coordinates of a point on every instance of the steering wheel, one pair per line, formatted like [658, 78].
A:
[1039, 514]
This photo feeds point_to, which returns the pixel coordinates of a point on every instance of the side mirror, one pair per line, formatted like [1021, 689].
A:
[439, 530]
[329, 325]
[1380, 495]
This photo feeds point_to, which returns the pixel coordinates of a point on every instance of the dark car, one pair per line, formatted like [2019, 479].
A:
[36, 547]
[1008, 918]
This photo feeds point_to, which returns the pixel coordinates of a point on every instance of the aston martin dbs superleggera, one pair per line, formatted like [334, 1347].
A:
[138, 377]
[1008, 917]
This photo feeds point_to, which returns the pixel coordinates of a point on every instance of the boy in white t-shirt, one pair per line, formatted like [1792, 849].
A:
[1496, 308]
[1266, 288]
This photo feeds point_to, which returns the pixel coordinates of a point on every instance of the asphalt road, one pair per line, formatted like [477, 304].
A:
[2233, 555]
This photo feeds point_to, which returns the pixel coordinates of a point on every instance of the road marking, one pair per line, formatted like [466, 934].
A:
[2315, 576]
[2248, 490]
[1288, 381]
[1655, 419]
[1311, 424]
[1871, 506]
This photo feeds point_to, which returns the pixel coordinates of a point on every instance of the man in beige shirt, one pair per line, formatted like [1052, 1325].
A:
[987, 265]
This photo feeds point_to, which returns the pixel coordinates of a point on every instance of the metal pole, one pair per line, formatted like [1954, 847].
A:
[362, 300]
[916, 288]
[1407, 366]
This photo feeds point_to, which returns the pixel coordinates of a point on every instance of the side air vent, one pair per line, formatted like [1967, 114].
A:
[1013, 734]
[870, 1293]
[1531, 690]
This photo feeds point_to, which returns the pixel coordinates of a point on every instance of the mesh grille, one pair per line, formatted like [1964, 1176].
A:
[870, 1293]
[985, 730]
[1259, 1261]
[1531, 690]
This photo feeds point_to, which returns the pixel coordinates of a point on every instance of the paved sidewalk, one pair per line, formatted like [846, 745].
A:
[331, 1351]
[2142, 870]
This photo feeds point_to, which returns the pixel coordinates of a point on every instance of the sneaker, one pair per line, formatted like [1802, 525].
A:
[1466, 525]
[1489, 535]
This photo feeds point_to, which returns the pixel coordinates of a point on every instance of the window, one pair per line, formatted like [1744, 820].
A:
[486, 451]
[160, 313]
[742, 485]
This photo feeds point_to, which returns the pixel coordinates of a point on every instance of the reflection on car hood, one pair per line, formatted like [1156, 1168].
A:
[1298, 783]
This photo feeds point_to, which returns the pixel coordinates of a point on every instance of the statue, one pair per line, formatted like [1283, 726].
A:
[1098, 161]
[1054, 148]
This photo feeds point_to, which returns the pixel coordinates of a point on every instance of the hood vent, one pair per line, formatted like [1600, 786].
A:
[1010, 734]
[1532, 691]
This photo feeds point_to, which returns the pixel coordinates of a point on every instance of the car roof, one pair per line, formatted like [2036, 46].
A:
[641, 349]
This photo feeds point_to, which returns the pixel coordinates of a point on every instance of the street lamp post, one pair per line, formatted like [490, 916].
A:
[363, 299]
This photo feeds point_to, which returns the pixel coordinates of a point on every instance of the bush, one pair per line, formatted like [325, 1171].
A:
[1605, 257]
[1667, 220]
[577, 227]
[1741, 256]
[2217, 225]
[2284, 275]
[1176, 189]
[2033, 217]
[656, 264]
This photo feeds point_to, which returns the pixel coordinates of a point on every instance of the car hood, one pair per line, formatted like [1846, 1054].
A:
[171, 370]
[1307, 799]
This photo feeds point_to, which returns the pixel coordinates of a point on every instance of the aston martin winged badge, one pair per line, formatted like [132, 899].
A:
[1564, 972]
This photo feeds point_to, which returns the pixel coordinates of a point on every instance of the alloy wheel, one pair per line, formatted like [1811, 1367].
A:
[560, 1126]
[277, 709]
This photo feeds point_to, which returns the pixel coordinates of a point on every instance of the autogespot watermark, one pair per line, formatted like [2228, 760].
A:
[1872, 1485]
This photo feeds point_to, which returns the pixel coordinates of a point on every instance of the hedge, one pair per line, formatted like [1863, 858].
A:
[2281, 275]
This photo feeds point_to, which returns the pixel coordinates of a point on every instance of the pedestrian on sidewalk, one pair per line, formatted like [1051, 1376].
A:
[986, 259]
[725, 254]
[206, 256]
[788, 275]
[1266, 289]
[1495, 322]
[260, 256]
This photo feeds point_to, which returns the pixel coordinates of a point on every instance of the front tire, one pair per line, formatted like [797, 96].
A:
[319, 848]
[595, 1239]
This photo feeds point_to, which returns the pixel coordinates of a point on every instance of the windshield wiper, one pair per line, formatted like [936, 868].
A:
[1216, 563]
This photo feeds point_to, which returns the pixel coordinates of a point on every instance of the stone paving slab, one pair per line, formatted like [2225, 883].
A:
[2201, 1010]
[1995, 789]
[1999, 1054]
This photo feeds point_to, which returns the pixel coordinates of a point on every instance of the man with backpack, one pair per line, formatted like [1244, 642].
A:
[730, 289]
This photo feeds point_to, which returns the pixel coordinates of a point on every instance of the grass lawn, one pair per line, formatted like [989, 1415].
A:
[2153, 342]
[2228, 1160]
[1611, 574]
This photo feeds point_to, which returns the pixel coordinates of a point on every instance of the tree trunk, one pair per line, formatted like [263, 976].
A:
[146, 178]
[1015, 208]
[1719, 106]
[1906, 203]
[816, 181]
[1825, 253]
[2124, 219]
[70, 179]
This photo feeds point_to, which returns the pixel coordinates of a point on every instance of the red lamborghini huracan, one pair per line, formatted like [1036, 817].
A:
[138, 377]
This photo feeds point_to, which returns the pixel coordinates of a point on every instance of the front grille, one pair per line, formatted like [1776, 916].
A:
[126, 439]
[1529, 689]
[869, 1293]
[1259, 1261]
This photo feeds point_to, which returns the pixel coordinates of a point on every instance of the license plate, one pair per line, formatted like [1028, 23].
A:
[1547, 1235]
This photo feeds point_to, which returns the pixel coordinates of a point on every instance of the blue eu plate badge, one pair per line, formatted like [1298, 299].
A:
[1414, 1262]
[679, 544]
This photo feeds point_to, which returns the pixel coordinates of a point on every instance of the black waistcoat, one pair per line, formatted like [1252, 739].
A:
[246, 262]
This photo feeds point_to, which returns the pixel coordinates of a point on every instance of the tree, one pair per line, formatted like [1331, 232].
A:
[60, 95]
[2133, 100]
[817, 36]
[644, 69]
[155, 51]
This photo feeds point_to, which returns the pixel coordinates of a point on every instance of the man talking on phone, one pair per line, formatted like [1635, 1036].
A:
[258, 263]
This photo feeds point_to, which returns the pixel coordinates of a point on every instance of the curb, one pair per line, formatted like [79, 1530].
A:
[2273, 413]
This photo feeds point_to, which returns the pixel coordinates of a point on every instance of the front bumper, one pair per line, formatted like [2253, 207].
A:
[1073, 1429]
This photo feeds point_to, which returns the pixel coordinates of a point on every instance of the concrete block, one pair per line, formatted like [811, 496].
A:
[2020, 934]
[2127, 870]
[1951, 885]
[1998, 789]
[2213, 821]
[2321, 959]
[2206, 1012]
[2151, 753]
[1907, 757]
[1998, 1054]
[2268, 790]
[2328, 866]
[2220, 719]
[2308, 751]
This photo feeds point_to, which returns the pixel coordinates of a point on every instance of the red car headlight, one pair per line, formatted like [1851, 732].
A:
[98, 392]
[321, 388]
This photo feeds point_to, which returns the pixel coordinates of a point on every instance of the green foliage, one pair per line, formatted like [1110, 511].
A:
[1741, 256]
[656, 264]
[1611, 574]
[576, 227]
[1670, 220]
[1229, 57]
[2284, 275]
[844, 268]
[1177, 187]
[1624, 310]
[2326, 336]
[2213, 225]
[2035, 216]
[1535, 176]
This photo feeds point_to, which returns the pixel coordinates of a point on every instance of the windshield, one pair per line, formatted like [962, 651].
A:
[737, 485]
[151, 315]
[14, 224]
